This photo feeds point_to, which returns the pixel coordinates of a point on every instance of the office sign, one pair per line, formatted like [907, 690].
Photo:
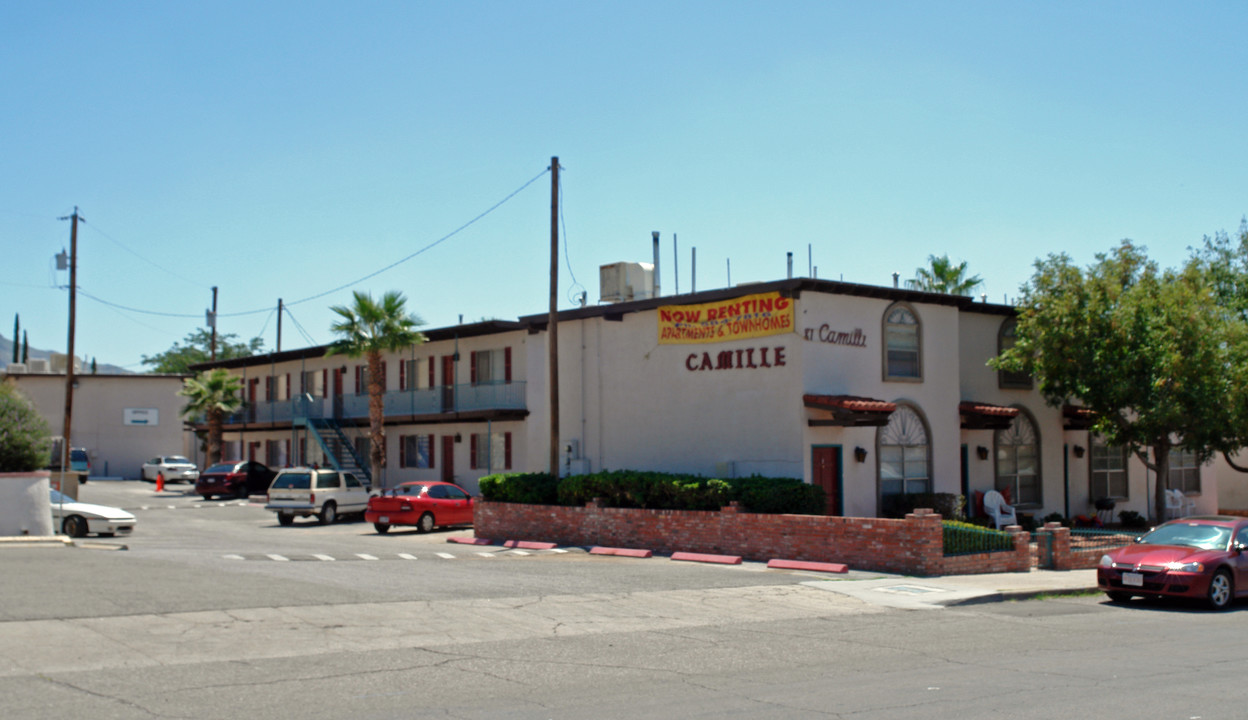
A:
[141, 416]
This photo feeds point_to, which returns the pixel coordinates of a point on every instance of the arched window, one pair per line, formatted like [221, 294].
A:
[903, 357]
[1006, 338]
[905, 458]
[1018, 461]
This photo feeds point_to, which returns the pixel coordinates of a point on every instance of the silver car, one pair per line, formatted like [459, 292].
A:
[173, 467]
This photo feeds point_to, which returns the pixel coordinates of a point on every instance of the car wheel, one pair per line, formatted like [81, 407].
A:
[74, 526]
[1221, 590]
[1118, 597]
[329, 513]
[206, 496]
[382, 528]
[285, 520]
[425, 524]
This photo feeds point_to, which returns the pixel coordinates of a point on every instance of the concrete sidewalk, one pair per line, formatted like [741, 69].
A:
[929, 593]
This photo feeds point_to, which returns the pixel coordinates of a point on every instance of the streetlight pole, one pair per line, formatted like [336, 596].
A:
[69, 361]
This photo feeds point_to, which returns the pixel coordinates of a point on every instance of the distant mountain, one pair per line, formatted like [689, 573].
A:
[6, 356]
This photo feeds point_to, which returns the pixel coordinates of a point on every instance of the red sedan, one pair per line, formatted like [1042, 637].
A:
[1193, 557]
[422, 504]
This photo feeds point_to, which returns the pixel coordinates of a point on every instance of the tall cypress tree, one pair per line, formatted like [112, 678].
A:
[25, 347]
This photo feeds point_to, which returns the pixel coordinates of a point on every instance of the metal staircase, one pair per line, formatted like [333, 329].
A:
[339, 448]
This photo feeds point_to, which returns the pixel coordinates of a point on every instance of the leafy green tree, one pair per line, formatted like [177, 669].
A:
[367, 328]
[24, 436]
[1150, 353]
[196, 348]
[944, 276]
[212, 395]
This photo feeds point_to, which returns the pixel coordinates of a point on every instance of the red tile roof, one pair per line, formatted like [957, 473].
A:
[852, 403]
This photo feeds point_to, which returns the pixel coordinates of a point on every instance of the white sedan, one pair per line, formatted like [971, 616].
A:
[173, 467]
[77, 519]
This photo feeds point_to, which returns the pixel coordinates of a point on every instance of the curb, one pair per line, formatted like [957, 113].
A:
[1009, 595]
[36, 541]
[621, 552]
[705, 558]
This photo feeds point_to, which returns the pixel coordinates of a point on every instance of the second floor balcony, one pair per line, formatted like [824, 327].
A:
[398, 403]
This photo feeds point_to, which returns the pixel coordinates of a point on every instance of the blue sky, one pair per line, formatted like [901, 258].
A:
[282, 149]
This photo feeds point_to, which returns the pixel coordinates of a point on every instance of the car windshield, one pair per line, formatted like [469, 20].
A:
[1190, 534]
[225, 468]
[176, 459]
[292, 481]
[58, 497]
[77, 454]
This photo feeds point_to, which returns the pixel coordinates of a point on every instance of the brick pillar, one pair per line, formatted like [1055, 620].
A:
[928, 540]
[1062, 558]
[1022, 548]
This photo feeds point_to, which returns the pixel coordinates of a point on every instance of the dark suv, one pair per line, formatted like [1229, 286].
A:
[237, 478]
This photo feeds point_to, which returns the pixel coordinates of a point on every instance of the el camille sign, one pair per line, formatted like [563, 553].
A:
[825, 334]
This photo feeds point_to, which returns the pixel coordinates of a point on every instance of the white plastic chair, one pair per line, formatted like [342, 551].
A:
[996, 508]
[1179, 505]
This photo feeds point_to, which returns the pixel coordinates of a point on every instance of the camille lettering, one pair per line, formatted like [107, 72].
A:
[826, 334]
[745, 358]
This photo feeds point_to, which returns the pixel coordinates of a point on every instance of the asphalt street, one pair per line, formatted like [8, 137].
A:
[215, 611]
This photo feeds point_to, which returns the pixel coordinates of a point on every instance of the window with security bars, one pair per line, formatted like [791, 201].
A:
[1018, 461]
[1109, 471]
[1184, 471]
[903, 455]
[1005, 340]
[491, 451]
[417, 451]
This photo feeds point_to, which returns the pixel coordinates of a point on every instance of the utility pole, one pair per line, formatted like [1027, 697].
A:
[279, 325]
[212, 322]
[69, 363]
[553, 321]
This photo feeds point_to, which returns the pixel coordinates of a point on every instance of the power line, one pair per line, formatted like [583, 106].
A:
[149, 261]
[298, 327]
[564, 227]
[392, 265]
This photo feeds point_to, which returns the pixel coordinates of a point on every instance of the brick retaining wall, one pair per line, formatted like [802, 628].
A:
[913, 546]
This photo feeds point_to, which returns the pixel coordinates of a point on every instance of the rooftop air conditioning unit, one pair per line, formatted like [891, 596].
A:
[15, 368]
[624, 281]
[39, 365]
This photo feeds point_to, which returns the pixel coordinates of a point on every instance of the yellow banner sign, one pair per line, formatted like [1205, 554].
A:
[737, 319]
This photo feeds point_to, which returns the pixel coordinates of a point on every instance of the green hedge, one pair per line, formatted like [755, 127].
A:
[962, 538]
[657, 491]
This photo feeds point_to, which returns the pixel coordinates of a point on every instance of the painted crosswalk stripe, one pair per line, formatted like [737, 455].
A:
[234, 557]
[279, 558]
[519, 552]
[445, 556]
[407, 556]
[486, 555]
[325, 558]
[365, 556]
[558, 550]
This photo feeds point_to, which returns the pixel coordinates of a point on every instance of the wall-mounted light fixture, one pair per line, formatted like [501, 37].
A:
[982, 452]
[860, 454]
[458, 437]
[1079, 451]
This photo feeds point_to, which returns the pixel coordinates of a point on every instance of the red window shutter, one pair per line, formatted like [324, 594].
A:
[472, 360]
[472, 451]
[402, 451]
[288, 393]
[507, 364]
[325, 382]
[357, 379]
[432, 380]
[402, 375]
[268, 388]
[506, 451]
[431, 451]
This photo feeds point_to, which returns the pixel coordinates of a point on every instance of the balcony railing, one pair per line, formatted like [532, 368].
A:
[429, 401]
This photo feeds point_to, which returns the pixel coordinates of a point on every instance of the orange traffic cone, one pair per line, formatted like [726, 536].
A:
[160, 482]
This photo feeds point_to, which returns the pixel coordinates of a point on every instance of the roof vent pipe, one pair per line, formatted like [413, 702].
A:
[896, 279]
[790, 266]
[655, 236]
[693, 269]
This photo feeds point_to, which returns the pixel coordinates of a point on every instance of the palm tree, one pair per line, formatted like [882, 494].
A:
[213, 395]
[944, 277]
[368, 328]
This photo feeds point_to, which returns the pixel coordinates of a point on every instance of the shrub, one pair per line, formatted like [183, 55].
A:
[962, 538]
[643, 489]
[530, 488]
[24, 436]
[767, 495]
[1132, 519]
[950, 506]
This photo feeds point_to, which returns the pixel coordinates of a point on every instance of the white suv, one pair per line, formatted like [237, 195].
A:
[325, 493]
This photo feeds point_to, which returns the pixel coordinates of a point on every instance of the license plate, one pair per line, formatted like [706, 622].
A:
[383, 519]
[1133, 579]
